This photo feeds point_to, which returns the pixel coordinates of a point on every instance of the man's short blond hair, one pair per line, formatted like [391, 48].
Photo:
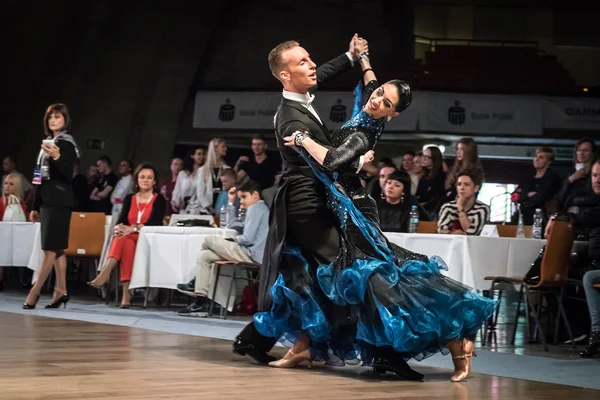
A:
[276, 62]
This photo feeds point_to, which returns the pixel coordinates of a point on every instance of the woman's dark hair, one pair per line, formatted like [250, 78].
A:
[136, 187]
[188, 161]
[59, 108]
[436, 162]
[129, 164]
[404, 94]
[403, 178]
[474, 173]
[386, 162]
[250, 187]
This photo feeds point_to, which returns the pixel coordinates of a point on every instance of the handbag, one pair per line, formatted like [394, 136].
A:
[533, 276]
[14, 212]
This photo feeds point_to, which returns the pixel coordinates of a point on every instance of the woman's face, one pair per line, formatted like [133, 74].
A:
[426, 161]
[417, 167]
[465, 187]
[394, 190]
[584, 153]
[199, 157]
[221, 149]
[407, 162]
[460, 152]
[9, 186]
[146, 180]
[56, 122]
[382, 102]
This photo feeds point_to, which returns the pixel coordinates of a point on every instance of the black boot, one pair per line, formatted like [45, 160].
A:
[250, 342]
[386, 359]
[593, 347]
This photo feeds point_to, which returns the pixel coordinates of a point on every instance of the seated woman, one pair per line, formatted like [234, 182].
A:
[12, 196]
[465, 215]
[143, 207]
[394, 209]
[405, 307]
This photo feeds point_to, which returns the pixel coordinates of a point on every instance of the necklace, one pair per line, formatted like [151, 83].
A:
[141, 211]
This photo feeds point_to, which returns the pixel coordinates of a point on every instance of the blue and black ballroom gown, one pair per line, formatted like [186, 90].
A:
[401, 299]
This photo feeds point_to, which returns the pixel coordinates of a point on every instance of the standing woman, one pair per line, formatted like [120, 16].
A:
[208, 185]
[54, 202]
[185, 185]
[467, 157]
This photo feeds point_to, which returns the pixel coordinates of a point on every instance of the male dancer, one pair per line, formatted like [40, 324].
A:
[299, 214]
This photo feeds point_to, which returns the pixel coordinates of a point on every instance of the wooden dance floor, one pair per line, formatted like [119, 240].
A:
[61, 359]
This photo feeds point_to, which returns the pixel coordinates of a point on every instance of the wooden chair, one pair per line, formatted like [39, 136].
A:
[236, 266]
[427, 227]
[86, 238]
[554, 270]
[510, 231]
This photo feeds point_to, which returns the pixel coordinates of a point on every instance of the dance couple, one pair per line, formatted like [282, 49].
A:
[332, 286]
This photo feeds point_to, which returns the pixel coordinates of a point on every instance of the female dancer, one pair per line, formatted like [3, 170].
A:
[404, 303]
[54, 202]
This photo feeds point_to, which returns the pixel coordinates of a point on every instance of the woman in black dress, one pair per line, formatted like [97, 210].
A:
[54, 202]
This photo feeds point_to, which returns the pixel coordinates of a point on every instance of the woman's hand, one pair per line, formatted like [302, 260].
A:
[34, 216]
[123, 230]
[52, 150]
[577, 175]
[290, 141]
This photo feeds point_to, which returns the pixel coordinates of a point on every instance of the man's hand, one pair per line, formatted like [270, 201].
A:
[531, 194]
[240, 160]
[368, 157]
[361, 46]
[352, 47]
[231, 195]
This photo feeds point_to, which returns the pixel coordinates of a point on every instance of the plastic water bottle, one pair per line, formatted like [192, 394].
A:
[241, 217]
[520, 227]
[538, 220]
[223, 216]
[413, 226]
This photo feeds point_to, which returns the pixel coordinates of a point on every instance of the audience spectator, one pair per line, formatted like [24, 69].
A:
[538, 191]
[228, 180]
[93, 176]
[430, 192]
[467, 157]
[209, 184]
[247, 247]
[187, 179]
[465, 215]
[167, 186]
[9, 166]
[100, 197]
[375, 187]
[260, 168]
[124, 185]
[143, 207]
[416, 174]
[12, 206]
[268, 194]
[407, 162]
[577, 183]
[394, 208]
[81, 190]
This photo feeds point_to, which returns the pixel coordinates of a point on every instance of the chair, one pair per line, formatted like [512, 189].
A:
[427, 227]
[554, 270]
[510, 231]
[236, 265]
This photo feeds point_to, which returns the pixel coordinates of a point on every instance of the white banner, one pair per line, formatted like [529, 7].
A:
[256, 110]
[483, 114]
[571, 113]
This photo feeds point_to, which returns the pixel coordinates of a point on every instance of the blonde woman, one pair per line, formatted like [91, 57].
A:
[208, 183]
[12, 195]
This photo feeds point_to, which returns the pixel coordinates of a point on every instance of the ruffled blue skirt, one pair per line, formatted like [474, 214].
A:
[412, 308]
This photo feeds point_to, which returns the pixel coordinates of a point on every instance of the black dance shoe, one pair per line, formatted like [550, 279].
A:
[593, 347]
[31, 306]
[399, 367]
[242, 348]
[63, 299]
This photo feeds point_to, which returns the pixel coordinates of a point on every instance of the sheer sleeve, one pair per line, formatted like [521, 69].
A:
[370, 88]
[346, 154]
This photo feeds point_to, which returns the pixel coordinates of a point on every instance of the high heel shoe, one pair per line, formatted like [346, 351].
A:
[63, 299]
[31, 306]
[462, 353]
[95, 285]
[290, 361]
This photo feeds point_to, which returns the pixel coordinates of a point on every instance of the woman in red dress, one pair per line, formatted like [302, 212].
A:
[143, 207]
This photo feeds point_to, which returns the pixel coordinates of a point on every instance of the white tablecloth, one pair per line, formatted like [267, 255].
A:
[17, 243]
[471, 258]
[166, 256]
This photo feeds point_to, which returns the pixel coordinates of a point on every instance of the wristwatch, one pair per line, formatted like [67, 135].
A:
[299, 138]
[135, 229]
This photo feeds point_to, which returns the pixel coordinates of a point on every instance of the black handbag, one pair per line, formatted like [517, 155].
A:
[533, 276]
[193, 222]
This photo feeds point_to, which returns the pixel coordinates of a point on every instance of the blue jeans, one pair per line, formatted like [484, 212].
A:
[592, 295]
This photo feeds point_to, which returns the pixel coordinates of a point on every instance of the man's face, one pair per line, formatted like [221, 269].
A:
[384, 175]
[258, 147]
[299, 71]
[7, 165]
[102, 167]
[596, 178]
[228, 182]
